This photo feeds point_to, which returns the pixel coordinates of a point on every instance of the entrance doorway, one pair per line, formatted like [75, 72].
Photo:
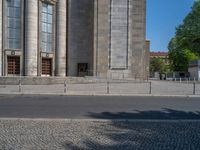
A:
[82, 69]
[13, 65]
[46, 66]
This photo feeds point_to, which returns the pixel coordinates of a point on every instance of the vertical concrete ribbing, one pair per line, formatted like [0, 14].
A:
[102, 37]
[138, 9]
[1, 37]
[31, 37]
[61, 43]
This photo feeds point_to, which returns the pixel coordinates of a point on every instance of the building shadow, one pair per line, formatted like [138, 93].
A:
[153, 130]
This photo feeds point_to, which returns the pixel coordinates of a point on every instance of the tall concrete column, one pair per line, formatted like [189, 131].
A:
[31, 37]
[61, 43]
[1, 36]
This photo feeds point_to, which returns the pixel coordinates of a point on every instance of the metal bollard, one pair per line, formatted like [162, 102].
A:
[20, 86]
[65, 87]
[108, 87]
[150, 88]
[194, 88]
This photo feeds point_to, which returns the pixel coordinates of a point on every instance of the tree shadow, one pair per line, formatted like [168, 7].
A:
[127, 134]
[165, 114]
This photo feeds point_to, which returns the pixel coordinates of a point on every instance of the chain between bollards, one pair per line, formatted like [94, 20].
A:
[194, 88]
[65, 87]
[108, 87]
[20, 86]
[150, 87]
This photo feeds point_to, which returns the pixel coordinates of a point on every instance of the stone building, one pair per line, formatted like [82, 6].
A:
[72, 38]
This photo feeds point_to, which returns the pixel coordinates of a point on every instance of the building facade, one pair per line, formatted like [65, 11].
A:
[194, 70]
[164, 56]
[73, 38]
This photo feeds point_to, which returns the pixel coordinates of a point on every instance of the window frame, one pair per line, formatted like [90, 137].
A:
[5, 27]
[52, 34]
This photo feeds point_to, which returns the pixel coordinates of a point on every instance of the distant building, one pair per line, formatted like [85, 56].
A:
[162, 55]
[194, 69]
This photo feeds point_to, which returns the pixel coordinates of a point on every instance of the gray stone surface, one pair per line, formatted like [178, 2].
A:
[61, 42]
[98, 34]
[31, 38]
[102, 31]
[80, 35]
[112, 52]
[119, 34]
[98, 135]
[138, 32]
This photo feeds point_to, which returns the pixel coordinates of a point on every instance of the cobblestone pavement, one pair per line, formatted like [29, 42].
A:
[122, 87]
[99, 135]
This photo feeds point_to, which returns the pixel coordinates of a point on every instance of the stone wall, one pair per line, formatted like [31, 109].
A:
[108, 35]
[116, 52]
[102, 30]
[80, 34]
[61, 37]
[137, 37]
[31, 38]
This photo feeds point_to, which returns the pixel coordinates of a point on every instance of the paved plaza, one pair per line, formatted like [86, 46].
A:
[31, 122]
[99, 135]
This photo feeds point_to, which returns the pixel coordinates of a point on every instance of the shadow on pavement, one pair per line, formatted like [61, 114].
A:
[141, 135]
[165, 114]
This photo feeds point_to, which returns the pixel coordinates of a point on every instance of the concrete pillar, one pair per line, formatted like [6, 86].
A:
[1, 37]
[31, 37]
[61, 43]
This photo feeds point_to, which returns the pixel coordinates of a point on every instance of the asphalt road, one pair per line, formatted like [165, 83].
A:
[100, 107]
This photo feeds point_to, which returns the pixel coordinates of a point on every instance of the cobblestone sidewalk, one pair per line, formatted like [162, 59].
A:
[99, 135]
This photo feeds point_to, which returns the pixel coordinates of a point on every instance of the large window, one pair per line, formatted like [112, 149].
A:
[13, 26]
[47, 28]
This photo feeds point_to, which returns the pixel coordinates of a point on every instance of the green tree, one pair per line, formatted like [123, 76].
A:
[185, 46]
[158, 65]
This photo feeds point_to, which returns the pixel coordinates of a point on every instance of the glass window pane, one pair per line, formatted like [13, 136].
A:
[50, 19]
[44, 17]
[17, 13]
[10, 11]
[44, 7]
[49, 38]
[44, 46]
[50, 9]
[44, 27]
[49, 47]
[17, 3]
[49, 28]
[13, 24]
[44, 37]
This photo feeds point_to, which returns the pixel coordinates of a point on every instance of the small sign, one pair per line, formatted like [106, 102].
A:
[47, 55]
[13, 53]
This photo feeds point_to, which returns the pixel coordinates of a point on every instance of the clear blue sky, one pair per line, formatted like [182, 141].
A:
[163, 16]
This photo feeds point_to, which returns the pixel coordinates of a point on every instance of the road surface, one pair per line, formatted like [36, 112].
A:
[99, 107]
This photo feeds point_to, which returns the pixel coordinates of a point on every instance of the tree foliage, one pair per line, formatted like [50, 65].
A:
[185, 46]
[157, 65]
